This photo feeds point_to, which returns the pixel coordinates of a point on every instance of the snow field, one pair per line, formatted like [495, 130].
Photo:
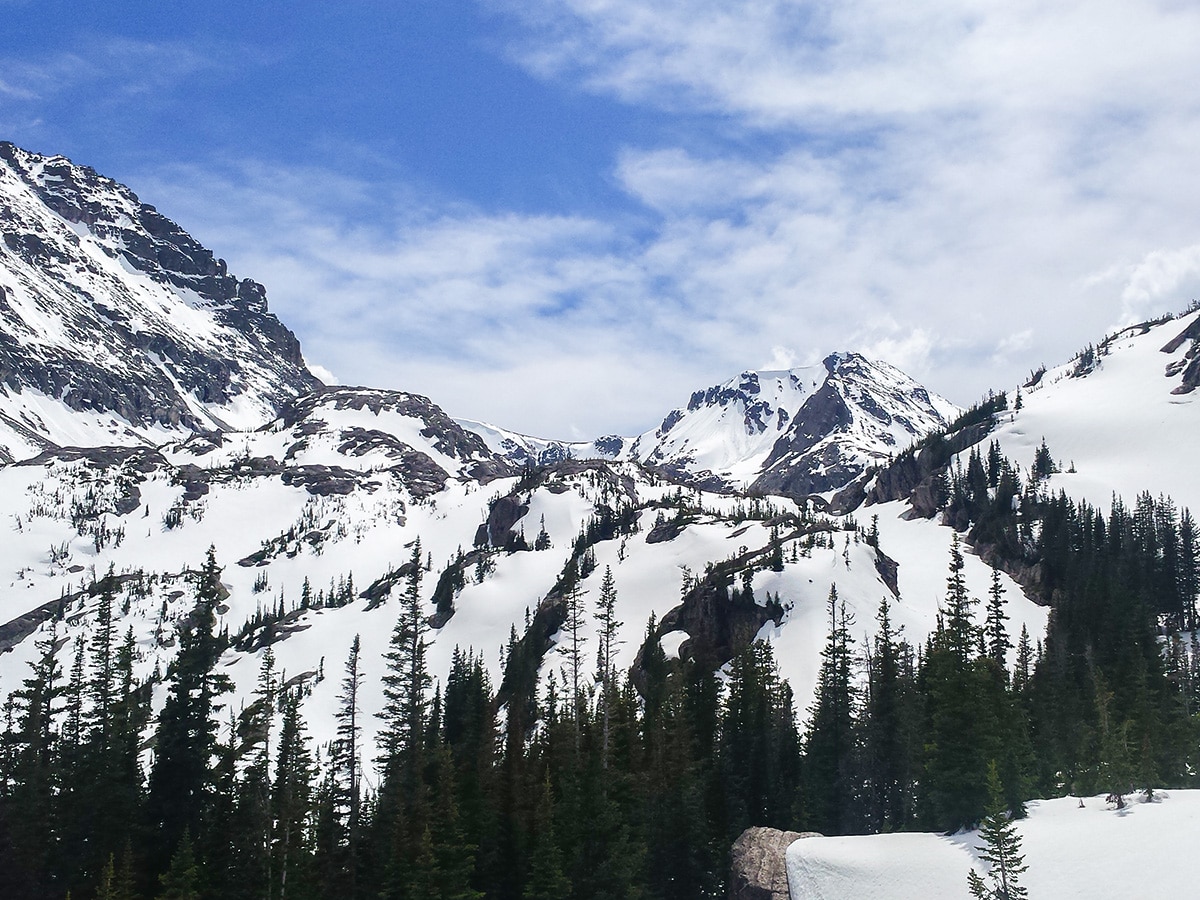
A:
[1120, 425]
[1145, 850]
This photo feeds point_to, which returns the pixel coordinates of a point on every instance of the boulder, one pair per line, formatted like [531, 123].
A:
[758, 864]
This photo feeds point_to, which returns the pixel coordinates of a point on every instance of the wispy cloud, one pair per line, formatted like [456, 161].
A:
[935, 183]
[779, 61]
[1159, 277]
[956, 170]
[117, 64]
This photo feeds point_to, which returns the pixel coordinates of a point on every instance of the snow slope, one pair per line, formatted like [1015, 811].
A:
[1119, 423]
[797, 431]
[341, 488]
[1144, 850]
[117, 327]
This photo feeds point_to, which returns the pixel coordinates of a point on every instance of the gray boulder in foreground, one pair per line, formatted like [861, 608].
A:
[758, 865]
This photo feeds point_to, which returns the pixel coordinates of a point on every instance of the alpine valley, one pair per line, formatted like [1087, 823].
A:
[319, 640]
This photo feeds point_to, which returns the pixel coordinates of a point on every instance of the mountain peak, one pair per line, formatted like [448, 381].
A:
[117, 325]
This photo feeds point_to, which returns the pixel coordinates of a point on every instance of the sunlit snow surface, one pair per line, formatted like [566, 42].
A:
[76, 296]
[371, 531]
[1145, 850]
[1120, 425]
[728, 432]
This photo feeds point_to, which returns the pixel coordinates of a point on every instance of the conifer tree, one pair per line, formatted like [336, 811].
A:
[291, 801]
[33, 776]
[607, 628]
[961, 633]
[102, 687]
[758, 753]
[1001, 850]
[343, 800]
[829, 746]
[890, 734]
[996, 635]
[402, 808]
[965, 707]
[181, 779]
[572, 649]
[452, 851]
[546, 879]
[181, 881]
[1024, 668]
[406, 682]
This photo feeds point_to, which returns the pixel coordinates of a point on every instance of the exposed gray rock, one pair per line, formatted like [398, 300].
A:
[1190, 364]
[497, 531]
[152, 370]
[446, 435]
[666, 530]
[758, 863]
[845, 428]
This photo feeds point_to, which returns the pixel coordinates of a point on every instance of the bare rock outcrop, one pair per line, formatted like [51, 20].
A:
[758, 864]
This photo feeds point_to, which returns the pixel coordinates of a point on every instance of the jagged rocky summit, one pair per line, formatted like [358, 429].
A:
[794, 432]
[118, 327]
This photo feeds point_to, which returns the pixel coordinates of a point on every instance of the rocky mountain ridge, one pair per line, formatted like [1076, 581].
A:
[796, 432]
[116, 326]
[314, 498]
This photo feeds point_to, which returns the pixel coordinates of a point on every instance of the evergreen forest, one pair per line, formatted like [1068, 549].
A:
[599, 784]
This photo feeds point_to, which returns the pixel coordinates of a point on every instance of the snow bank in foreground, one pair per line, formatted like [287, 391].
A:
[1147, 849]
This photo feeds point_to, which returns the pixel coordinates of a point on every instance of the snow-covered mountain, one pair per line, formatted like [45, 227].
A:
[155, 408]
[116, 326]
[797, 432]
[523, 449]
[723, 435]
[863, 414]
[1120, 418]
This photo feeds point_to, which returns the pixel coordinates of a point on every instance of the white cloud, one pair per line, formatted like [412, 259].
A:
[1153, 285]
[781, 358]
[943, 182]
[125, 69]
[779, 61]
[323, 373]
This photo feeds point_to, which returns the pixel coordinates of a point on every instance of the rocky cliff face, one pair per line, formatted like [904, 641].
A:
[758, 865]
[794, 431]
[111, 312]
[864, 413]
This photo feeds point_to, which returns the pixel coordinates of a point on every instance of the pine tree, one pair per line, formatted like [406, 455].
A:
[829, 747]
[776, 555]
[1189, 569]
[759, 747]
[33, 776]
[572, 649]
[1043, 462]
[890, 730]
[607, 628]
[343, 792]
[1024, 666]
[1001, 850]
[102, 688]
[546, 879]
[961, 632]
[402, 807]
[996, 635]
[406, 681]
[966, 711]
[453, 852]
[181, 881]
[181, 779]
[291, 801]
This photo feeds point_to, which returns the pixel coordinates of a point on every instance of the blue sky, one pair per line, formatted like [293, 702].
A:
[565, 216]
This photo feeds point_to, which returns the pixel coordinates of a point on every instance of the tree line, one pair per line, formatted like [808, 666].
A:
[585, 787]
